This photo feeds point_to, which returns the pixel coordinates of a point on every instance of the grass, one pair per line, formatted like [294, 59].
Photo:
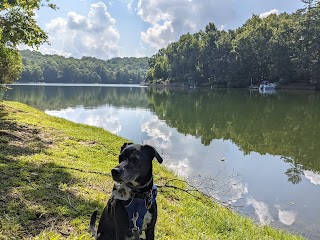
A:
[54, 173]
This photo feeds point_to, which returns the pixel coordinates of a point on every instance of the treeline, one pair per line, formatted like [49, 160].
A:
[58, 69]
[283, 48]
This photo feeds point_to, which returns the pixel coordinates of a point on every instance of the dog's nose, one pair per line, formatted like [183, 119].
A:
[115, 172]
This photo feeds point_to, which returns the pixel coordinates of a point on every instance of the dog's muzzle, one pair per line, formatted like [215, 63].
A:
[116, 173]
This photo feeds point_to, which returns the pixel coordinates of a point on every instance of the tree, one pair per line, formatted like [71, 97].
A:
[224, 59]
[10, 64]
[209, 50]
[17, 26]
[309, 37]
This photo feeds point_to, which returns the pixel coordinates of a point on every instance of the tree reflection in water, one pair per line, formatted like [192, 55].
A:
[285, 124]
[295, 172]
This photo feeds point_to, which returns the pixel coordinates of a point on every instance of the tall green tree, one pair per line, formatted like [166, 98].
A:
[18, 26]
[10, 64]
[209, 51]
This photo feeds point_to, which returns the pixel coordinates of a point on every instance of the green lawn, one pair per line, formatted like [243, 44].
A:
[54, 173]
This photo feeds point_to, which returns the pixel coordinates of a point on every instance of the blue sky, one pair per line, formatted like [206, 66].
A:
[136, 28]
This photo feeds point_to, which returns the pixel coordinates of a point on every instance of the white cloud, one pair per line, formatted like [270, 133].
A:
[159, 35]
[92, 35]
[57, 27]
[266, 14]
[313, 177]
[261, 209]
[287, 217]
[171, 19]
[130, 6]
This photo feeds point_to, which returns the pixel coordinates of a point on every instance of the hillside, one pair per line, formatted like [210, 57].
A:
[58, 69]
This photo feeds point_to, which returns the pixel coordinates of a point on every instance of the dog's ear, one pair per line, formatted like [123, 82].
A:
[124, 146]
[153, 152]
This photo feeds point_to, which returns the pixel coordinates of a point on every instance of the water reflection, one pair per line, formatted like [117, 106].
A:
[61, 97]
[261, 209]
[260, 151]
[286, 124]
[94, 117]
[313, 177]
[287, 217]
[295, 171]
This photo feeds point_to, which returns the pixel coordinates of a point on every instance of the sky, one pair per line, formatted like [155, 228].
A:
[138, 28]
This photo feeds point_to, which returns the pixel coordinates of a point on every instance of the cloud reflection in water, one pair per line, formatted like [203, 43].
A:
[94, 117]
[313, 177]
[261, 209]
[287, 217]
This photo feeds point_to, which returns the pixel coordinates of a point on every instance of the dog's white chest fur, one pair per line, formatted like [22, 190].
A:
[121, 191]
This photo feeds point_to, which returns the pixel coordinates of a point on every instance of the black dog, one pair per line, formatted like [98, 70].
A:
[132, 207]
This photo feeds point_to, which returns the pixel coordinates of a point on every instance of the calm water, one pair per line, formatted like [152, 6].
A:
[258, 152]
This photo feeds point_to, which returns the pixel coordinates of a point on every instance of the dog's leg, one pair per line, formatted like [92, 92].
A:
[106, 228]
[121, 221]
[150, 231]
[151, 225]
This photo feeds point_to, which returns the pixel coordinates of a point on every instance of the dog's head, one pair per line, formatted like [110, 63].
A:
[135, 164]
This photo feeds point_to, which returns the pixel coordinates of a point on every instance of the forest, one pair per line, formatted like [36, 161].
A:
[58, 69]
[283, 48]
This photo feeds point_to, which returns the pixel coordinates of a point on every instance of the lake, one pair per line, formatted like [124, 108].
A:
[259, 153]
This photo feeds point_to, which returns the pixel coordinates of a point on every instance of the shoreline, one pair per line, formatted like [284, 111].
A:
[179, 85]
[284, 87]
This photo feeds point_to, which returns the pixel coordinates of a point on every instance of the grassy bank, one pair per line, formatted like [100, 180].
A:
[54, 173]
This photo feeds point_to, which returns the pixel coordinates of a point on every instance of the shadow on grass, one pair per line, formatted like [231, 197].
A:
[34, 196]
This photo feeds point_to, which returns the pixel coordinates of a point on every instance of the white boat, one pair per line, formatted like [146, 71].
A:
[266, 86]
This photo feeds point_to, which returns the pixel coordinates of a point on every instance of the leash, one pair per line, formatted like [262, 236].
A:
[135, 229]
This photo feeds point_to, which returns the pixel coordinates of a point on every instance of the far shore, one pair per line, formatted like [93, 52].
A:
[212, 86]
[165, 84]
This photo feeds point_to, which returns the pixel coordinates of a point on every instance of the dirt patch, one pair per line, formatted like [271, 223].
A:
[90, 143]
[17, 140]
